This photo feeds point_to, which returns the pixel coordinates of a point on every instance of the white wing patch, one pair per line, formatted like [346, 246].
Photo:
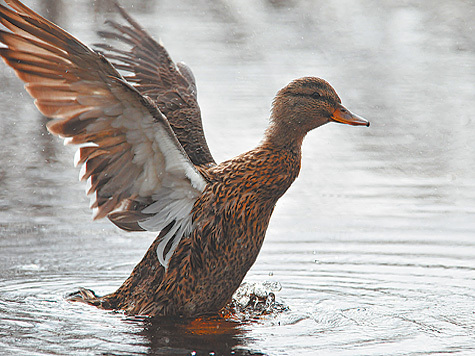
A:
[166, 177]
[174, 200]
[171, 205]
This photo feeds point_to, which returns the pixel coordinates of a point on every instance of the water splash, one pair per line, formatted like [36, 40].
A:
[251, 301]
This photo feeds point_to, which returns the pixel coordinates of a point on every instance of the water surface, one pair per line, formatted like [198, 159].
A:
[374, 244]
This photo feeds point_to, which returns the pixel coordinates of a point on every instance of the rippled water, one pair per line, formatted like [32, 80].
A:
[374, 245]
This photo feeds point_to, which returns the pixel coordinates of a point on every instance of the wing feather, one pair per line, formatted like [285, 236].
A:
[136, 169]
[153, 73]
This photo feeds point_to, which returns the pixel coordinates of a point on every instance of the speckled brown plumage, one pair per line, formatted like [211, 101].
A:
[148, 164]
[231, 219]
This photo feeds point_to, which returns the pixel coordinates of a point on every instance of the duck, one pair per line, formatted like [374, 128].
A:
[135, 117]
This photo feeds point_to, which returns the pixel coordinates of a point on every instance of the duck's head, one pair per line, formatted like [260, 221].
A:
[305, 104]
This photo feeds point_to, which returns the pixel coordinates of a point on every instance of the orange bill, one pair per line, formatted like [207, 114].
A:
[344, 116]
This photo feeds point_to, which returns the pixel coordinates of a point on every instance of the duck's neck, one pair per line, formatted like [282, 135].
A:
[283, 134]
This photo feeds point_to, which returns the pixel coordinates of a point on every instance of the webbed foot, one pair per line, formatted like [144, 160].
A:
[87, 296]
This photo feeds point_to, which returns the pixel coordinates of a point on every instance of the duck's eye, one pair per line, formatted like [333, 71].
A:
[315, 95]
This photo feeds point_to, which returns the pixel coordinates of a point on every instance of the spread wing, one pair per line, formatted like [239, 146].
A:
[153, 73]
[137, 172]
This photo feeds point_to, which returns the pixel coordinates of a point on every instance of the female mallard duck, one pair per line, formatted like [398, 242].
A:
[146, 161]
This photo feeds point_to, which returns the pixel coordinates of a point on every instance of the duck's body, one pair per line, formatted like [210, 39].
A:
[148, 164]
[231, 218]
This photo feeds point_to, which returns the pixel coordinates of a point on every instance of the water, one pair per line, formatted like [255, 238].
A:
[374, 245]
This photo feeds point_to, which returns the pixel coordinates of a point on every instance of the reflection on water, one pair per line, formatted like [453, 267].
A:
[373, 245]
